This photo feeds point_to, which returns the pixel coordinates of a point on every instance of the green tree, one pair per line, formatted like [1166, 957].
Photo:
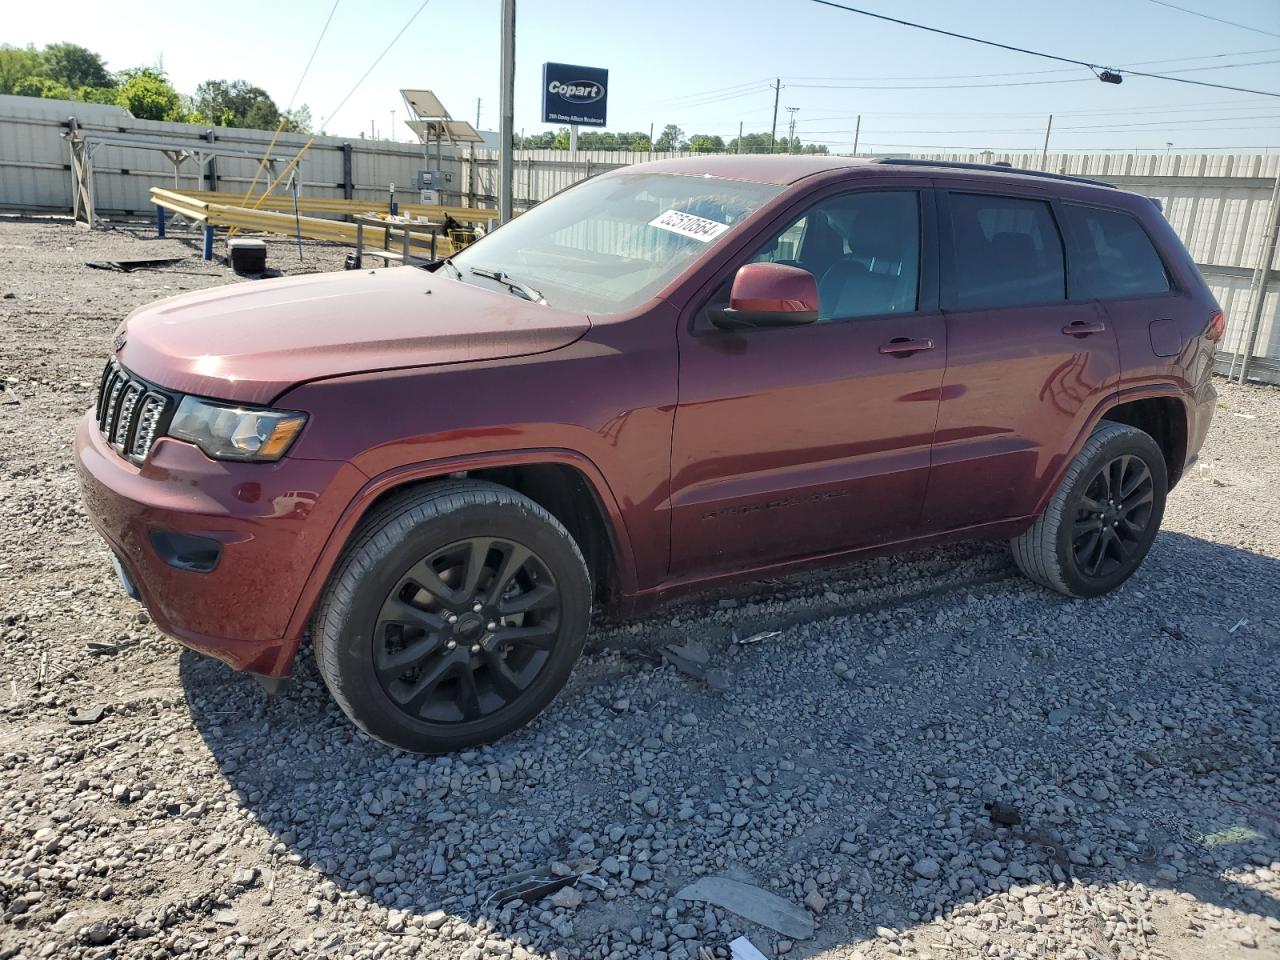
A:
[672, 138]
[148, 96]
[75, 66]
[705, 143]
[18, 64]
[38, 86]
[238, 103]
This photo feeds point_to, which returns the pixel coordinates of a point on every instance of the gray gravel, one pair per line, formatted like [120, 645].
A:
[848, 768]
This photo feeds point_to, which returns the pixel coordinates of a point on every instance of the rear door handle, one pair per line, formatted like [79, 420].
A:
[903, 346]
[1082, 328]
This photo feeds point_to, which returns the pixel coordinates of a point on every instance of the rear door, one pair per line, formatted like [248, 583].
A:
[1026, 364]
[1114, 261]
[796, 441]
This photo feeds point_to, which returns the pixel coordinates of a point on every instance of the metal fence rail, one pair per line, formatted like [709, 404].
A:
[1222, 207]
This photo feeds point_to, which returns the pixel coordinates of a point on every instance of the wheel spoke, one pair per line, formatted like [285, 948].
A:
[505, 683]
[542, 636]
[1099, 551]
[1138, 477]
[513, 561]
[424, 576]
[398, 611]
[422, 690]
[1088, 503]
[392, 665]
[1085, 526]
[468, 694]
[1137, 498]
[477, 553]
[541, 597]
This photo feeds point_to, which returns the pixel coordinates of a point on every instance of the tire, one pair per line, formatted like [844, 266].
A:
[383, 642]
[1059, 550]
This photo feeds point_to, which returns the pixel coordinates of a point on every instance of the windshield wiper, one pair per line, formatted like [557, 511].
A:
[512, 284]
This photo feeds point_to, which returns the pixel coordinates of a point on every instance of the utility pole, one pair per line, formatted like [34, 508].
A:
[507, 108]
[739, 150]
[1044, 154]
[477, 113]
[773, 131]
[651, 138]
[791, 136]
[393, 125]
[857, 130]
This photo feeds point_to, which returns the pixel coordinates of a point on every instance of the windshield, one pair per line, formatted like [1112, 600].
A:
[609, 244]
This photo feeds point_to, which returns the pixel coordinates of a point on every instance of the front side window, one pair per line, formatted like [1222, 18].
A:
[1112, 255]
[1007, 252]
[862, 248]
[611, 243]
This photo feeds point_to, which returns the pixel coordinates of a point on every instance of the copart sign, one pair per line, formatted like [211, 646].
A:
[574, 94]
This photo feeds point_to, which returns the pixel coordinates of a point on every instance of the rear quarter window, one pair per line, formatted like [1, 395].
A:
[1112, 255]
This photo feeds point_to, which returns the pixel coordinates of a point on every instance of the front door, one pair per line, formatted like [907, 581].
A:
[798, 441]
[1027, 366]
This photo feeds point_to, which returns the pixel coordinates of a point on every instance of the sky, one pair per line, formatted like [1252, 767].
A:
[707, 65]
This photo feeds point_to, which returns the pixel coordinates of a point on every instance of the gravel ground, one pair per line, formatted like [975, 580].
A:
[848, 767]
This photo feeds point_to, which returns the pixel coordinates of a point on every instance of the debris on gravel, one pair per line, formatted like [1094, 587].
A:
[922, 755]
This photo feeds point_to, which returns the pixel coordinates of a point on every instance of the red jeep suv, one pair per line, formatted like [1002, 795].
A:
[671, 374]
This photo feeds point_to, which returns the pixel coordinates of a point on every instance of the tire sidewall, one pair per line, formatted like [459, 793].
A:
[381, 569]
[1135, 443]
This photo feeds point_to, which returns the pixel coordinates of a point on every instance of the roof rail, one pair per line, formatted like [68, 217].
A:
[990, 167]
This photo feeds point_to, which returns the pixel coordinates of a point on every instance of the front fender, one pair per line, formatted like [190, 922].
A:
[412, 473]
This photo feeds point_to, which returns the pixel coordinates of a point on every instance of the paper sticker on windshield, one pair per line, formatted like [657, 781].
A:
[687, 225]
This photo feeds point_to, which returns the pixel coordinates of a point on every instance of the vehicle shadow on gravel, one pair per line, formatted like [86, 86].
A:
[848, 768]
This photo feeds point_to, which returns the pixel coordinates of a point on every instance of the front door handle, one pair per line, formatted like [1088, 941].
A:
[1082, 328]
[904, 346]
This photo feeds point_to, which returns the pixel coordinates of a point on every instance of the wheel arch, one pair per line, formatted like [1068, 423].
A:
[1159, 410]
[565, 483]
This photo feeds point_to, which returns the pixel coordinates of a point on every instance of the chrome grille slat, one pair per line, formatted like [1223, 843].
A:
[129, 412]
[124, 420]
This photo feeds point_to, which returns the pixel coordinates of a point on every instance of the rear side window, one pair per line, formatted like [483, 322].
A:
[1111, 256]
[1007, 252]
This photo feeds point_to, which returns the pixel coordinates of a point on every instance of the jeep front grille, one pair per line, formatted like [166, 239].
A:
[130, 412]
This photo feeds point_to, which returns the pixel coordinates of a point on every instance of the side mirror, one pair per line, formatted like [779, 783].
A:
[769, 295]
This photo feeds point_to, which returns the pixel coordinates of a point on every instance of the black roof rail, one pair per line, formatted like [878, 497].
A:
[990, 168]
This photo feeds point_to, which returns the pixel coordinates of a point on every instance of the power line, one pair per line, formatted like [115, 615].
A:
[311, 59]
[1206, 16]
[1026, 73]
[1095, 67]
[375, 63]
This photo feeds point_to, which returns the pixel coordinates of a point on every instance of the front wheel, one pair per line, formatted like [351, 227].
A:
[1102, 519]
[453, 618]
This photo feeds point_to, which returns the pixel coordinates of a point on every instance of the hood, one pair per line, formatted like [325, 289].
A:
[252, 341]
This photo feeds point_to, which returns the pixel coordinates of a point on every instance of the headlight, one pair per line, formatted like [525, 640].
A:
[227, 432]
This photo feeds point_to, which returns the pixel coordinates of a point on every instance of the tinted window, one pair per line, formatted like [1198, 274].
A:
[1007, 252]
[863, 249]
[1112, 256]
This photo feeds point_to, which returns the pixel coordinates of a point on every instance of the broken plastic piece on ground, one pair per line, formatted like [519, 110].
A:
[744, 949]
[757, 637]
[691, 659]
[125, 266]
[752, 903]
[532, 885]
[1243, 621]
[85, 715]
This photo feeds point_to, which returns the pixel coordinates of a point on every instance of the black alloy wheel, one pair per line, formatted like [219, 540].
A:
[1113, 516]
[466, 630]
[454, 616]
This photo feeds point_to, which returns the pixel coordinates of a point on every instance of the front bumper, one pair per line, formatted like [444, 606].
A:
[271, 519]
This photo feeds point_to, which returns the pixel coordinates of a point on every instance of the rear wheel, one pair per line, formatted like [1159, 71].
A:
[1102, 519]
[454, 617]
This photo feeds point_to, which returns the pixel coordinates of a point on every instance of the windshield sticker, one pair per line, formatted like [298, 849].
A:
[687, 225]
